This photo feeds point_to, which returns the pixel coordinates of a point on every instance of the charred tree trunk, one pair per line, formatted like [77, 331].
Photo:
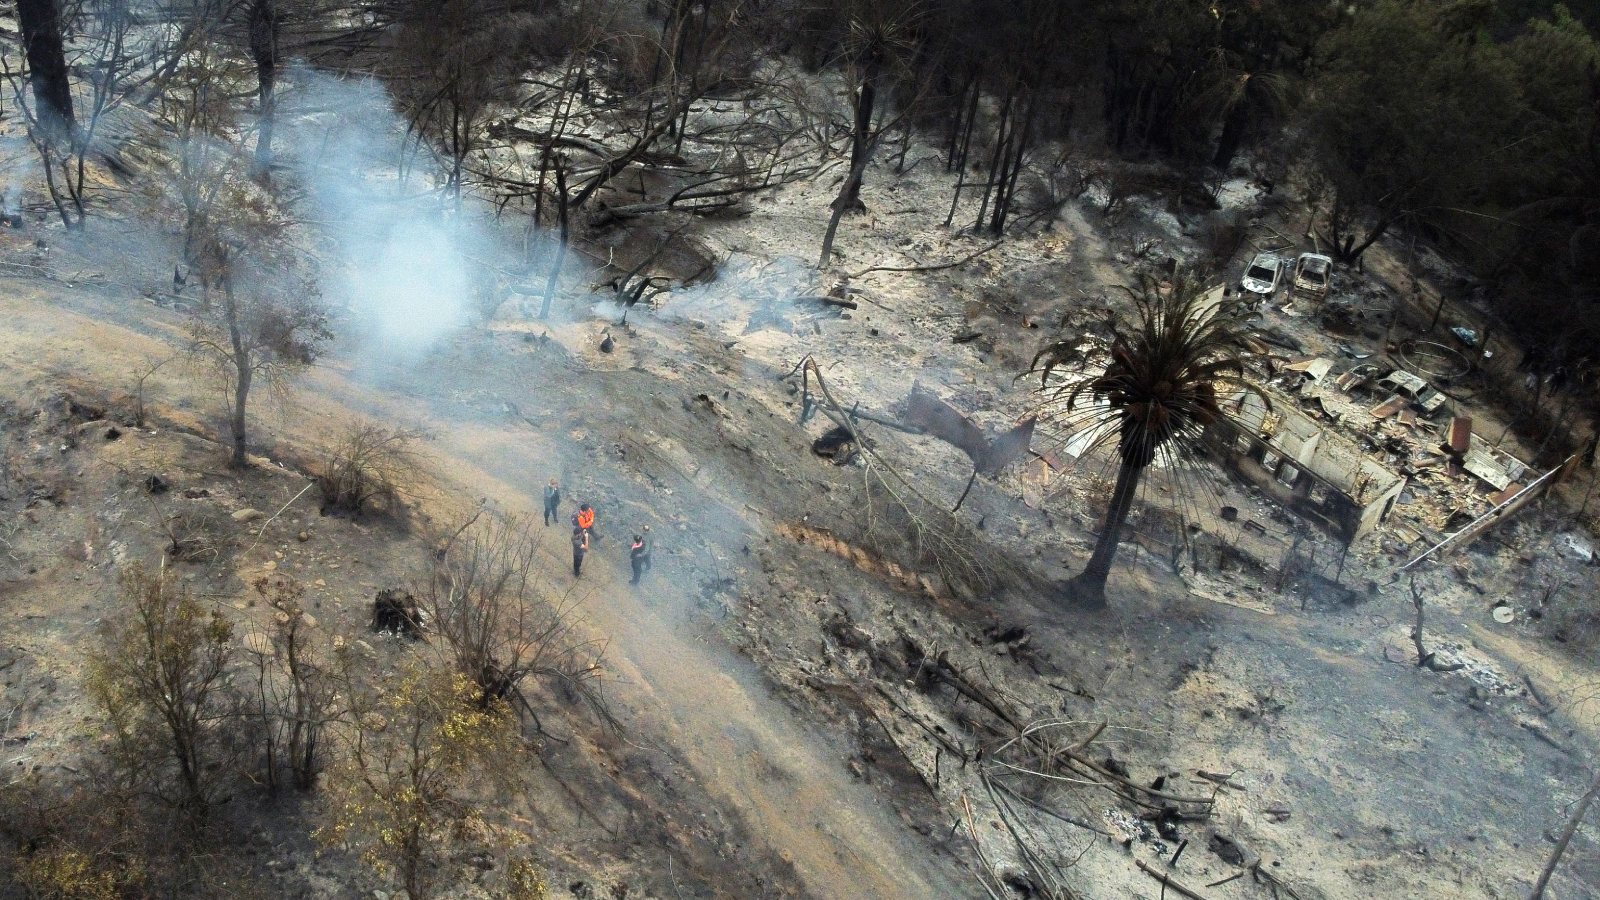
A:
[1560, 848]
[862, 142]
[861, 136]
[1001, 137]
[956, 127]
[1008, 182]
[839, 209]
[1233, 130]
[1089, 588]
[906, 132]
[243, 374]
[692, 65]
[47, 67]
[563, 214]
[966, 147]
[1347, 243]
[264, 53]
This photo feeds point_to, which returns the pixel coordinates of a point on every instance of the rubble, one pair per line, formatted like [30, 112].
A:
[1314, 471]
[1575, 547]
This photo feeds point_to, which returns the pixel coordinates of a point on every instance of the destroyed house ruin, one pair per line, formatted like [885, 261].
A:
[1317, 474]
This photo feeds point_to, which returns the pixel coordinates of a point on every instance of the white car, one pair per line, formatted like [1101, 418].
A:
[1263, 275]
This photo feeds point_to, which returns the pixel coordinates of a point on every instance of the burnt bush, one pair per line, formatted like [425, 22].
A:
[366, 469]
[193, 535]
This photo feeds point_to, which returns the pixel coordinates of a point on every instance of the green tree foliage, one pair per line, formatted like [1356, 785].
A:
[1409, 113]
[402, 792]
[162, 678]
[1544, 257]
[1484, 137]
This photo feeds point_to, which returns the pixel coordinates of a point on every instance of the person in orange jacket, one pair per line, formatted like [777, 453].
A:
[583, 520]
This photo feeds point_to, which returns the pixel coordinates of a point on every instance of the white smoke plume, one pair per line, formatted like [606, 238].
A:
[401, 258]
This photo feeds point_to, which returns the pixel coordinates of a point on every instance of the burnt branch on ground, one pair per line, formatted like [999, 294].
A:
[900, 521]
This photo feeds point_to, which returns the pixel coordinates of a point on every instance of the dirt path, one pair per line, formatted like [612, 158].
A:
[696, 701]
[708, 707]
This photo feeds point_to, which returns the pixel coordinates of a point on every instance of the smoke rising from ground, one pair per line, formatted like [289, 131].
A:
[401, 258]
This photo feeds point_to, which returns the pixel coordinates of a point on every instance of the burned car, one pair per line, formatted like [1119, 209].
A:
[1263, 275]
[1413, 389]
[1313, 273]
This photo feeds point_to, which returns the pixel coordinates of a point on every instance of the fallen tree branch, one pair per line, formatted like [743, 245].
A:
[937, 267]
[830, 301]
[262, 533]
[1560, 849]
[1533, 691]
[987, 870]
[1053, 888]
[1277, 884]
[938, 738]
[889, 733]
[1167, 880]
[920, 531]
[1219, 780]
[1070, 820]
[1131, 790]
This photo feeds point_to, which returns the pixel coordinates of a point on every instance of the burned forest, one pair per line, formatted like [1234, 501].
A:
[614, 449]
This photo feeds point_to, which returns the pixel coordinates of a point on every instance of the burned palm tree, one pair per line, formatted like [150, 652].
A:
[1154, 398]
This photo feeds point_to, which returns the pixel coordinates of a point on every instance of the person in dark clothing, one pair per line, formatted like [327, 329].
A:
[580, 546]
[649, 545]
[552, 502]
[636, 555]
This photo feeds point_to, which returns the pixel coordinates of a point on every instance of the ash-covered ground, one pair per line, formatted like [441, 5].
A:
[801, 714]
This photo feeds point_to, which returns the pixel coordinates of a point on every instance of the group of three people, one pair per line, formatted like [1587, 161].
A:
[583, 532]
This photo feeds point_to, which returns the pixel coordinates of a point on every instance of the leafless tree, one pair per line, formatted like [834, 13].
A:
[295, 688]
[458, 60]
[45, 49]
[880, 39]
[500, 622]
[65, 134]
[144, 376]
[259, 319]
[1560, 849]
[262, 334]
[264, 29]
[369, 465]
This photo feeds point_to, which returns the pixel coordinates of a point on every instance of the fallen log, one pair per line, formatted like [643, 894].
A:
[831, 301]
[1168, 880]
